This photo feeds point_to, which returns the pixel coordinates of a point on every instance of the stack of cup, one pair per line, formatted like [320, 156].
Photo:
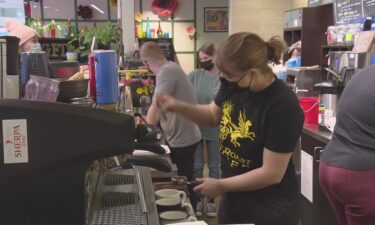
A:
[172, 206]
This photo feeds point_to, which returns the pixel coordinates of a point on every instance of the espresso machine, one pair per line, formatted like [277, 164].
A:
[59, 165]
[345, 64]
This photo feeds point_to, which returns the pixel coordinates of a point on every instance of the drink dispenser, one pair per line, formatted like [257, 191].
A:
[329, 92]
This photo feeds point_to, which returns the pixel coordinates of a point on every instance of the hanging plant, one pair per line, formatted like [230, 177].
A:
[164, 8]
[85, 12]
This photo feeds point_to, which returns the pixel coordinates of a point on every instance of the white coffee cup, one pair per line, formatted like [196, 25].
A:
[172, 204]
[170, 193]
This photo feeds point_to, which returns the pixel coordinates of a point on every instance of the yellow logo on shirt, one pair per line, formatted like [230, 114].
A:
[236, 132]
[240, 131]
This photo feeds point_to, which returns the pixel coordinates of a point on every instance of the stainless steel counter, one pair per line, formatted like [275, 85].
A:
[313, 130]
[122, 197]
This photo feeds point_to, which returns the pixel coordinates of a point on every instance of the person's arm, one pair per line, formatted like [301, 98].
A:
[208, 115]
[151, 117]
[271, 172]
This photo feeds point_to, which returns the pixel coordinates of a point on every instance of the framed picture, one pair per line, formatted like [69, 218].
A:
[216, 19]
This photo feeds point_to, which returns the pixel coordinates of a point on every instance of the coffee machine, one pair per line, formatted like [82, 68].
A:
[45, 151]
[345, 64]
[9, 76]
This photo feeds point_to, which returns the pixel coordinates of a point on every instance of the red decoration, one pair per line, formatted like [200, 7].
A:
[27, 9]
[164, 7]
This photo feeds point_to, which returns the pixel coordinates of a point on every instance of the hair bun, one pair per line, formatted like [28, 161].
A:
[270, 52]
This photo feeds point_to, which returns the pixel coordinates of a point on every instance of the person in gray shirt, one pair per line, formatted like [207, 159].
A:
[347, 167]
[181, 135]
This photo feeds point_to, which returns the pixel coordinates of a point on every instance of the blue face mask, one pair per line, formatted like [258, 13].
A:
[36, 47]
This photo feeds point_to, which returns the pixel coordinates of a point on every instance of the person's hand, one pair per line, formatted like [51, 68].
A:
[139, 120]
[209, 187]
[166, 102]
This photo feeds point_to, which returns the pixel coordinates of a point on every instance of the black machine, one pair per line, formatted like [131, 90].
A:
[46, 148]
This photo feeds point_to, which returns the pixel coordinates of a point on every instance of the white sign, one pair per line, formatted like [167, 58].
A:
[15, 141]
[12, 9]
[307, 175]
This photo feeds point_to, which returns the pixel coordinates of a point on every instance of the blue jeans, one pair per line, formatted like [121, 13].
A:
[213, 160]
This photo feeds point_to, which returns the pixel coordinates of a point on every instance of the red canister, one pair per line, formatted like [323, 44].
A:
[92, 83]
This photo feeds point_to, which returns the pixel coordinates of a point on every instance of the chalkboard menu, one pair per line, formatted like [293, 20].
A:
[369, 7]
[347, 11]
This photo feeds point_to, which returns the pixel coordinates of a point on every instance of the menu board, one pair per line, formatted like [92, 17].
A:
[369, 8]
[347, 10]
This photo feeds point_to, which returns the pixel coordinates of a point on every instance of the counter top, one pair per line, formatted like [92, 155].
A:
[313, 130]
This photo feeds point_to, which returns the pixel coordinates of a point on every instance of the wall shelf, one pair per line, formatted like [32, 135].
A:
[315, 21]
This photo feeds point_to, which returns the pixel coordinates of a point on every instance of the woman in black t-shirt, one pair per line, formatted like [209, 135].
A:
[260, 123]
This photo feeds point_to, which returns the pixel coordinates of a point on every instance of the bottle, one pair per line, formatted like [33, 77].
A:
[92, 81]
[68, 30]
[159, 32]
[136, 29]
[53, 29]
[148, 32]
[140, 29]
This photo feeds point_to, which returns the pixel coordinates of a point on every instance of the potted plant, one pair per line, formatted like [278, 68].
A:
[73, 49]
[106, 37]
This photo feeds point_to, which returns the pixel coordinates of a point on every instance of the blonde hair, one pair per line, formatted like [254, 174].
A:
[150, 50]
[245, 51]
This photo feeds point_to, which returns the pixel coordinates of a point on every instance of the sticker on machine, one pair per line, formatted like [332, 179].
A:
[15, 141]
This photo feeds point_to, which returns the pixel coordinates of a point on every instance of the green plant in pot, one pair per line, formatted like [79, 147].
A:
[106, 37]
[73, 49]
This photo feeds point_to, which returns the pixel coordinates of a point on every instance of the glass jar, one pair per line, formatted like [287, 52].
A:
[351, 33]
[331, 35]
[340, 38]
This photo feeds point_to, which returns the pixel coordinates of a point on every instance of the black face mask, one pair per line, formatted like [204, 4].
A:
[234, 84]
[207, 65]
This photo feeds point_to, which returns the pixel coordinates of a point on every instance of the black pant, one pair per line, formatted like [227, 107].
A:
[239, 208]
[183, 157]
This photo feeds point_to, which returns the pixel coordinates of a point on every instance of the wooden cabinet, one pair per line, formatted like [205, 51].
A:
[308, 25]
[319, 211]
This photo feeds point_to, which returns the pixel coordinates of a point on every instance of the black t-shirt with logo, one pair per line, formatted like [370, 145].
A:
[252, 121]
